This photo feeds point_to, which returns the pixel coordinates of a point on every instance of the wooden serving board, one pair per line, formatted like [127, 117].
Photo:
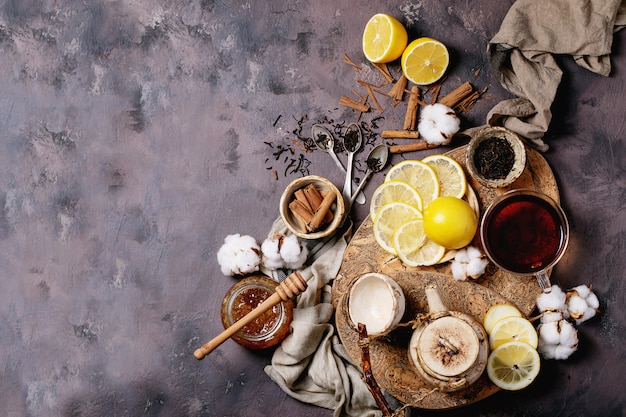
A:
[390, 363]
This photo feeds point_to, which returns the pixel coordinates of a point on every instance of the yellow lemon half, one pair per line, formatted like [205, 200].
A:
[384, 39]
[425, 61]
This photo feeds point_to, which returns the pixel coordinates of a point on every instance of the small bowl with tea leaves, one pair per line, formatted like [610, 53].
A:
[495, 157]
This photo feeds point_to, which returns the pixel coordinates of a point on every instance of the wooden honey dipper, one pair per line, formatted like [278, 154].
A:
[293, 285]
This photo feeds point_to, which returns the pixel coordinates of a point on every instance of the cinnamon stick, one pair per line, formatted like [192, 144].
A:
[410, 118]
[456, 96]
[410, 147]
[370, 92]
[382, 68]
[350, 102]
[301, 213]
[321, 212]
[301, 197]
[368, 376]
[315, 198]
[399, 134]
[397, 90]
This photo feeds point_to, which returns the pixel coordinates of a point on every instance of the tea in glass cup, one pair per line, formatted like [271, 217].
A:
[525, 232]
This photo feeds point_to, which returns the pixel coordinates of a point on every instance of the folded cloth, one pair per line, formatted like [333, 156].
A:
[311, 364]
[521, 55]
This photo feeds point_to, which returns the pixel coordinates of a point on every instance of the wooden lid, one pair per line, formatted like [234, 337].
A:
[448, 347]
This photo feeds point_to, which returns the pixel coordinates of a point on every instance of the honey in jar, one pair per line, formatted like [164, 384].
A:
[267, 330]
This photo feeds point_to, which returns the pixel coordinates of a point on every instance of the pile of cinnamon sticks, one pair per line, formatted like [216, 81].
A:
[311, 207]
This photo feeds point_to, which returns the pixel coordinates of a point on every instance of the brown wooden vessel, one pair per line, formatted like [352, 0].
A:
[390, 363]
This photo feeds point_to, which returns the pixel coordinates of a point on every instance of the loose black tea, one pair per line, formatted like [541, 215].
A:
[494, 158]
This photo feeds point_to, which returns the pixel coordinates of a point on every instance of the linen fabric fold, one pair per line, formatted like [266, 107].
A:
[311, 365]
[522, 53]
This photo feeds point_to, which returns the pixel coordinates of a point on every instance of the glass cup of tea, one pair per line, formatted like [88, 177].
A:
[525, 232]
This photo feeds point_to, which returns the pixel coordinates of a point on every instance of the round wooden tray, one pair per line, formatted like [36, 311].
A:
[390, 363]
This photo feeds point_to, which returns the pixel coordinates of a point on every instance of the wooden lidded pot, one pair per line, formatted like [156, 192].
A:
[450, 349]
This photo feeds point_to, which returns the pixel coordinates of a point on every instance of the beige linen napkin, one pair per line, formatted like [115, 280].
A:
[521, 55]
[311, 364]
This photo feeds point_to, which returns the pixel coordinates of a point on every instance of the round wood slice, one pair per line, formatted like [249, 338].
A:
[391, 366]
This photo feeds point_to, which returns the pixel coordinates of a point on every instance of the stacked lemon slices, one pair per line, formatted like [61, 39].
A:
[514, 361]
[397, 205]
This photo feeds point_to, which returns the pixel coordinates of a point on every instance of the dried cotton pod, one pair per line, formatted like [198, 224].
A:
[438, 123]
[557, 339]
[239, 255]
[582, 303]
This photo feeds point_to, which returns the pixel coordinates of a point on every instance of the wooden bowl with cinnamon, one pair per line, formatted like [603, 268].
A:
[312, 207]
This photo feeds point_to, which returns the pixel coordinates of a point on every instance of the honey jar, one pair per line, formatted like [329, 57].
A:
[267, 330]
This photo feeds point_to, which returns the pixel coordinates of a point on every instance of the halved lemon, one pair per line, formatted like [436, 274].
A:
[384, 39]
[513, 329]
[513, 366]
[497, 312]
[419, 175]
[452, 181]
[425, 60]
[391, 191]
[389, 218]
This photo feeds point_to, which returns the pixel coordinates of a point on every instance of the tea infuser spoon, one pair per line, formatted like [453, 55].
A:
[353, 139]
[376, 161]
[324, 141]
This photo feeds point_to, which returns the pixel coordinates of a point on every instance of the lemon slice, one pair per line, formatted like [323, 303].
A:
[498, 312]
[428, 254]
[409, 238]
[384, 39]
[513, 366]
[513, 329]
[452, 181]
[391, 191]
[419, 175]
[424, 61]
[389, 218]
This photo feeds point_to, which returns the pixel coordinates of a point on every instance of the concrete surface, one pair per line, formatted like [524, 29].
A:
[136, 135]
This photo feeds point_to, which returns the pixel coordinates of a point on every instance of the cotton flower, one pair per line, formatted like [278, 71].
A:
[582, 303]
[293, 252]
[468, 262]
[239, 255]
[270, 249]
[552, 301]
[280, 251]
[557, 339]
[438, 123]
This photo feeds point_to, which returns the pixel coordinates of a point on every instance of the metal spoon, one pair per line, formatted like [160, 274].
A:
[352, 141]
[376, 161]
[325, 141]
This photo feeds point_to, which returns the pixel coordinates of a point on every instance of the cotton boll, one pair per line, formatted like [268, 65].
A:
[239, 255]
[568, 333]
[477, 267]
[293, 252]
[271, 252]
[438, 123]
[459, 270]
[549, 333]
[582, 303]
[551, 301]
[468, 262]
[557, 339]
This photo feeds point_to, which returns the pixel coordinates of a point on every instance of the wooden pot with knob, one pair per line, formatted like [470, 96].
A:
[449, 349]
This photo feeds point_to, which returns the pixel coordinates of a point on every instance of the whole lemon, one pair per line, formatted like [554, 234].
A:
[450, 222]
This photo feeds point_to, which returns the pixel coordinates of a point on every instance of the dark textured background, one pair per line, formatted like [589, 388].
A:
[136, 135]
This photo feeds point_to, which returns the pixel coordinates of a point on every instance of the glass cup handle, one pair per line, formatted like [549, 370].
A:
[544, 281]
